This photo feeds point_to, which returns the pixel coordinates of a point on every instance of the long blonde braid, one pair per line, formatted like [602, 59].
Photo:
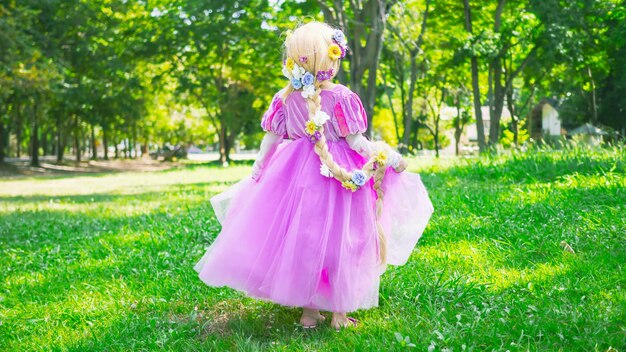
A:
[342, 175]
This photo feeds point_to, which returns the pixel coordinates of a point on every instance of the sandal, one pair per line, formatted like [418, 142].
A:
[351, 323]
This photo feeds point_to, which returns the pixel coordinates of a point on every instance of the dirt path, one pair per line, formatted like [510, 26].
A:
[21, 168]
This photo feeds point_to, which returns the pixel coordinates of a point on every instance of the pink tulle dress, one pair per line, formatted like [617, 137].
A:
[298, 238]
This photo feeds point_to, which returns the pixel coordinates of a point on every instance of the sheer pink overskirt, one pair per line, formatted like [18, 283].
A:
[300, 239]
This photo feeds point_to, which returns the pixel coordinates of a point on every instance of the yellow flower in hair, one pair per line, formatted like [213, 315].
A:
[349, 185]
[381, 158]
[310, 127]
[289, 63]
[334, 51]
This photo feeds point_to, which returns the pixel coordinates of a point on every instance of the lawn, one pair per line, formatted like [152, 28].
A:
[104, 262]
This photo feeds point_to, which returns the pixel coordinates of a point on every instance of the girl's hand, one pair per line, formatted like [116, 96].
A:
[256, 172]
[402, 165]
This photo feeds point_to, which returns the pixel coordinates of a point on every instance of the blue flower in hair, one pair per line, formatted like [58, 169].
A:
[296, 83]
[359, 177]
[308, 79]
[339, 37]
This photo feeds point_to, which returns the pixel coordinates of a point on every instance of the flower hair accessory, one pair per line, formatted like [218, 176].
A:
[340, 40]
[334, 52]
[380, 159]
[356, 182]
[299, 77]
[325, 75]
[313, 126]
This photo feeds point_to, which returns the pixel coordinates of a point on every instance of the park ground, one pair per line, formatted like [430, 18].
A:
[524, 252]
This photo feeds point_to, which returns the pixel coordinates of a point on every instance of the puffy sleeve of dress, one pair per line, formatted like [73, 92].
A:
[350, 116]
[274, 118]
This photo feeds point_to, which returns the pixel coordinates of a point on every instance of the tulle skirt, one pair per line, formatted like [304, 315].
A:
[300, 239]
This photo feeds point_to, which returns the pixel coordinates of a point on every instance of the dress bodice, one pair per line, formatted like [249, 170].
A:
[288, 117]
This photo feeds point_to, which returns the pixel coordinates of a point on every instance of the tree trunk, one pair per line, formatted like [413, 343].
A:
[514, 120]
[134, 144]
[53, 142]
[475, 87]
[404, 148]
[457, 127]
[594, 107]
[436, 136]
[365, 29]
[145, 152]
[94, 150]
[224, 148]
[415, 128]
[77, 139]
[18, 131]
[105, 143]
[34, 136]
[43, 142]
[496, 104]
[409, 102]
[85, 145]
[60, 144]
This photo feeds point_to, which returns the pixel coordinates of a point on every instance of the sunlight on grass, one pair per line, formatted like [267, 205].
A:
[119, 202]
[105, 262]
[128, 183]
[486, 264]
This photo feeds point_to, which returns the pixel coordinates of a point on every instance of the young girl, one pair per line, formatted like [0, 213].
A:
[320, 217]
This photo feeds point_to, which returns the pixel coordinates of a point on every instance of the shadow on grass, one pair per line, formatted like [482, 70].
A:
[87, 168]
[148, 257]
[93, 198]
[217, 164]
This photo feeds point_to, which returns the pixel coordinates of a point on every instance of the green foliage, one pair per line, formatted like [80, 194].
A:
[428, 140]
[583, 45]
[508, 137]
[383, 120]
[217, 62]
[123, 69]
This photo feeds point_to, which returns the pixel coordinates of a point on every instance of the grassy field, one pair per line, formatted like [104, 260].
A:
[104, 262]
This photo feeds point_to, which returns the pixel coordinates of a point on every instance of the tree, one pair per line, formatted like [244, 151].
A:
[364, 23]
[475, 85]
[403, 53]
[215, 58]
[518, 36]
[576, 47]
[460, 102]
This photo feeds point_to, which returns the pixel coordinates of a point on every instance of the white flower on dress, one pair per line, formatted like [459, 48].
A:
[308, 91]
[298, 72]
[325, 171]
[320, 118]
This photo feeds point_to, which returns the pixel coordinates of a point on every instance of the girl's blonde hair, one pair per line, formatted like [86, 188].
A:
[312, 40]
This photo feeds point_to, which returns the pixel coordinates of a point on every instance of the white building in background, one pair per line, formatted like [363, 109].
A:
[550, 122]
[589, 134]
[544, 121]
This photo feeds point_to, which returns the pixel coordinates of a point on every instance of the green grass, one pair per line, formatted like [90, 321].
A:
[104, 262]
